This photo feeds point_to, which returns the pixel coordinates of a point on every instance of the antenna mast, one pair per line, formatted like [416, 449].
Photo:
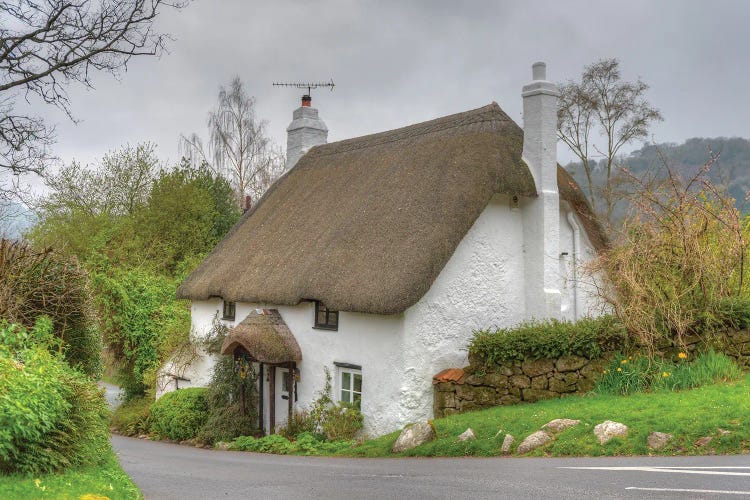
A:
[306, 99]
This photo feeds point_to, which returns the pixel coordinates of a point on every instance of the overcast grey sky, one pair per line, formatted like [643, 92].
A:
[401, 62]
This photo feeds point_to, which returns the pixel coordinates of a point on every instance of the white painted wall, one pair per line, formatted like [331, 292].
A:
[482, 285]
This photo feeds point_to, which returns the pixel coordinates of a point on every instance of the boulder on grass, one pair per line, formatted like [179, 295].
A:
[467, 435]
[609, 429]
[560, 424]
[534, 441]
[413, 435]
[658, 440]
[507, 443]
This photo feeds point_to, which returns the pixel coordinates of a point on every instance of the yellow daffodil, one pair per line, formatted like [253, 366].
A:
[624, 362]
[682, 355]
[665, 374]
[619, 369]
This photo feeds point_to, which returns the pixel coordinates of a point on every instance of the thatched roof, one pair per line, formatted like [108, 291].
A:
[367, 224]
[265, 335]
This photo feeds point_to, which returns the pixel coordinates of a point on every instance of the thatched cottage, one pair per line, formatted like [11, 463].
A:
[378, 256]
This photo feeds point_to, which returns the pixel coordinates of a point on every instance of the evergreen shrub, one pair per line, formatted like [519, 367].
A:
[588, 337]
[52, 417]
[180, 414]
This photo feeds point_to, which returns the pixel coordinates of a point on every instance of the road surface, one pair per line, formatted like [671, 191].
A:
[170, 471]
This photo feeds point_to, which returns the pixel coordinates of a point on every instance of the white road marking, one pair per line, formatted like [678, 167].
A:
[678, 490]
[677, 470]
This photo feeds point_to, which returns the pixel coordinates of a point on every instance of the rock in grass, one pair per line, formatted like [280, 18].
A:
[658, 440]
[534, 441]
[701, 442]
[560, 424]
[413, 435]
[609, 429]
[508, 441]
[467, 435]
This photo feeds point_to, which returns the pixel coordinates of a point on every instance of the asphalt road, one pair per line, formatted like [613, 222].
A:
[169, 471]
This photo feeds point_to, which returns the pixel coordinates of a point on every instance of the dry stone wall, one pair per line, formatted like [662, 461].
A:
[477, 386]
[483, 387]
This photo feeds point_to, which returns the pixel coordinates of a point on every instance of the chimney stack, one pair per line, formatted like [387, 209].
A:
[542, 219]
[305, 131]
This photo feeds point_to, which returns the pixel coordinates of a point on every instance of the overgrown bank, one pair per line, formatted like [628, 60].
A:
[717, 411]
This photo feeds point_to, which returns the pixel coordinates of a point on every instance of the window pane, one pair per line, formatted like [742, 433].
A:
[346, 396]
[321, 318]
[357, 382]
[228, 312]
[333, 318]
[357, 399]
[346, 382]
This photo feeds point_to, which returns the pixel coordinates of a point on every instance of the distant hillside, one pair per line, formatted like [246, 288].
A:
[732, 170]
[14, 219]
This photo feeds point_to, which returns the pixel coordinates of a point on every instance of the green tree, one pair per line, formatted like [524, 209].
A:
[187, 212]
[87, 206]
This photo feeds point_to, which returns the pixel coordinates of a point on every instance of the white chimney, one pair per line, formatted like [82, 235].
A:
[305, 131]
[542, 218]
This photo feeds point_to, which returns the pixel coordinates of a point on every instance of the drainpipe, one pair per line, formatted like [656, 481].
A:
[576, 249]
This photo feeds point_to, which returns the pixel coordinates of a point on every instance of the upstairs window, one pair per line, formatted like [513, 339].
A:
[325, 318]
[228, 312]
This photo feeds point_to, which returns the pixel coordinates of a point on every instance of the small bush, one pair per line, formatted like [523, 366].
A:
[306, 444]
[273, 443]
[302, 422]
[52, 417]
[132, 418]
[180, 414]
[330, 421]
[226, 423]
[628, 375]
[342, 422]
[225, 420]
[589, 337]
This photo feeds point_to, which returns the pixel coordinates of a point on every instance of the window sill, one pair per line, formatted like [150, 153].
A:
[329, 328]
[227, 319]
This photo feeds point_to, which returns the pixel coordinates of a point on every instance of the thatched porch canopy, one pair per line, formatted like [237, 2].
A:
[265, 335]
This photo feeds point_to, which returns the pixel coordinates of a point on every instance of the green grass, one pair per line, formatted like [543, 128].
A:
[87, 483]
[688, 415]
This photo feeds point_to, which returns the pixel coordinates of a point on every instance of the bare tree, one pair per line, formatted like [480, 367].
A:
[45, 45]
[238, 147]
[618, 110]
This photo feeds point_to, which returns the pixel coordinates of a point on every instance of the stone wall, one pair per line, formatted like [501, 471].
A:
[477, 386]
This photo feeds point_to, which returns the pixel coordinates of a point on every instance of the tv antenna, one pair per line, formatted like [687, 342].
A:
[306, 85]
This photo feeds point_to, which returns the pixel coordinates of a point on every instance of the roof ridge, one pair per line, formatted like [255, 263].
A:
[440, 124]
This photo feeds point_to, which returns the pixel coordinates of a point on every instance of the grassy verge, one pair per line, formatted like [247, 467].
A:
[688, 415]
[107, 480]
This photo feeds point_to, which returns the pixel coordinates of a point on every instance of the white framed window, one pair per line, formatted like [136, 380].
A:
[349, 382]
